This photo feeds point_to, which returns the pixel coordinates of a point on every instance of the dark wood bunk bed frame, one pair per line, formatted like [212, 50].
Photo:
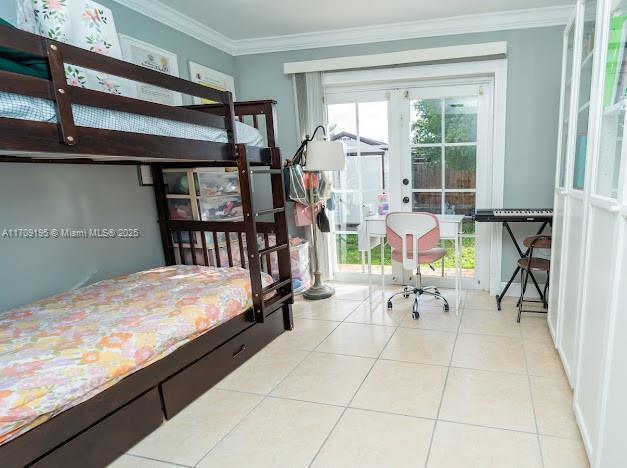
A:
[102, 428]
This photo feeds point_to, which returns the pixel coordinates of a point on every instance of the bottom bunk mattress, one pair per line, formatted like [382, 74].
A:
[61, 351]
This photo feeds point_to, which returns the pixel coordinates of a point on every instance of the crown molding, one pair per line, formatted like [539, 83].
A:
[174, 19]
[515, 19]
[485, 22]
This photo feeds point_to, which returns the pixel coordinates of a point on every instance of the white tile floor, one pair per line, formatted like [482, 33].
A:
[357, 385]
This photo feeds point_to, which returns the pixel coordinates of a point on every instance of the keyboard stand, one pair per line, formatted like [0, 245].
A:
[522, 255]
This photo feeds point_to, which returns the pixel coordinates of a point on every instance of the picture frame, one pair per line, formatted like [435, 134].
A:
[155, 58]
[212, 79]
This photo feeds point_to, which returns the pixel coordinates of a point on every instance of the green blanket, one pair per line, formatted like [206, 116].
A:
[14, 61]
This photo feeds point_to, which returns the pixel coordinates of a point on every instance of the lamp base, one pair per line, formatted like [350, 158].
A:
[319, 290]
[316, 293]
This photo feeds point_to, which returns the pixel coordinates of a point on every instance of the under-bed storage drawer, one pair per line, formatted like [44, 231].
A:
[187, 385]
[111, 437]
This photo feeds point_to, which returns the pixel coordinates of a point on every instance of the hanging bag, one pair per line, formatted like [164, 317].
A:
[323, 220]
[293, 177]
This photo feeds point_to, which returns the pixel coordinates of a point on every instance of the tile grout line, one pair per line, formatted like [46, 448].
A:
[412, 416]
[369, 299]
[533, 403]
[448, 370]
[143, 457]
[264, 397]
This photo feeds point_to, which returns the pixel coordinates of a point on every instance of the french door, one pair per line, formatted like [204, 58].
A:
[444, 167]
[423, 148]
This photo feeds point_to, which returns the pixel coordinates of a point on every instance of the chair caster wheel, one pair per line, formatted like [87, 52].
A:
[389, 305]
[446, 308]
[414, 313]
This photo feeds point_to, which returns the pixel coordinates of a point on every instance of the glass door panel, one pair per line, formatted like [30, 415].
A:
[570, 49]
[460, 167]
[615, 96]
[426, 167]
[443, 145]
[362, 127]
[460, 119]
[585, 83]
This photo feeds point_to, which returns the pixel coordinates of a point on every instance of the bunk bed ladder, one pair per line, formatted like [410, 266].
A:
[281, 290]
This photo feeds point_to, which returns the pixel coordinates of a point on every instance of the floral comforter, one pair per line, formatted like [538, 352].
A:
[61, 351]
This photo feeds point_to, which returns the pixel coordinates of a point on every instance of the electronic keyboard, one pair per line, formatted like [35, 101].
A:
[514, 215]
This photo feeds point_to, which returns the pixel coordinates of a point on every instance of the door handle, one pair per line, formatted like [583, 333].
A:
[405, 200]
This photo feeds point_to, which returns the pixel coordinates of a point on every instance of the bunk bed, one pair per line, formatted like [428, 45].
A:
[111, 420]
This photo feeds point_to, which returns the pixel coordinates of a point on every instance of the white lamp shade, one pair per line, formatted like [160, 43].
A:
[325, 155]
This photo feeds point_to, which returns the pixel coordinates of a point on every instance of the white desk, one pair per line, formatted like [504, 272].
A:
[450, 228]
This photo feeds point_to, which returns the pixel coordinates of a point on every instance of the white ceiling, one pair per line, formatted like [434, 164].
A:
[247, 19]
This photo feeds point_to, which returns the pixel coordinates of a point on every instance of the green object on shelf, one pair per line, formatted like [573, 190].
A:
[183, 186]
[616, 46]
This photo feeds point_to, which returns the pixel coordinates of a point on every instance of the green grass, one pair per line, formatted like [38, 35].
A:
[349, 254]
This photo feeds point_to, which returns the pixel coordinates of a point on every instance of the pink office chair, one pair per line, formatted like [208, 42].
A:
[414, 238]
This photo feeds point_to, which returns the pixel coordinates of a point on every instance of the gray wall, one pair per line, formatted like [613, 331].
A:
[534, 57]
[78, 196]
[74, 197]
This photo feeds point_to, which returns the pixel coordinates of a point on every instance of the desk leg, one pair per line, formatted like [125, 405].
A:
[369, 256]
[458, 271]
[382, 266]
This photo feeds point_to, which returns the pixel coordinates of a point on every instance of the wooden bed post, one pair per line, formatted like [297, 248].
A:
[229, 117]
[271, 123]
[163, 214]
[61, 94]
[250, 222]
[282, 235]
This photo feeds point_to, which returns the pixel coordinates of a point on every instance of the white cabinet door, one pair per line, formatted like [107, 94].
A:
[599, 370]
[612, 447]
[560, 199]
[575, 209]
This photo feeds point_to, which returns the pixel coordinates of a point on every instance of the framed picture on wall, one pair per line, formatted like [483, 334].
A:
[212, 79]
[149, 56]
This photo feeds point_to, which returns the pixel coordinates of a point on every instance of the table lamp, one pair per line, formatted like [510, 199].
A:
[320, 155]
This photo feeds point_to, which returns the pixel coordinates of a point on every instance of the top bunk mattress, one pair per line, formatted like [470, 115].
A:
[17, 106]
[61, 351]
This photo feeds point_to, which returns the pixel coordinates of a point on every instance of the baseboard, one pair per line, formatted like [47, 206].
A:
[585, 436]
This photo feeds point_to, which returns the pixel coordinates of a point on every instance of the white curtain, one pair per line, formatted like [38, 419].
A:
[311, 111]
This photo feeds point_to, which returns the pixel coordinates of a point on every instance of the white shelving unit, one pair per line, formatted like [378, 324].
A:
[205, 194]
[588, 300]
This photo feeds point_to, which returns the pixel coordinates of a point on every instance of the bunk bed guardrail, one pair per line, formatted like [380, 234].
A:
[86, 141]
